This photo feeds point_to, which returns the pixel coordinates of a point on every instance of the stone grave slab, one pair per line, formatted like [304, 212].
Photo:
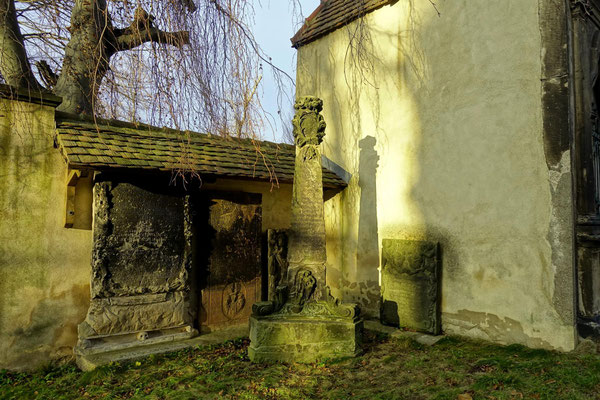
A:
[411, 285]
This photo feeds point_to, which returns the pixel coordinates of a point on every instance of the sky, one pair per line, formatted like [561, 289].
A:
[274, 25]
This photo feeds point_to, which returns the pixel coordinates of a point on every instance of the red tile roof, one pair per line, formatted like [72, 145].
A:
[332, 15]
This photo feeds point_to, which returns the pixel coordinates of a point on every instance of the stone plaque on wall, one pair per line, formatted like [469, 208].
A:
[411, 285]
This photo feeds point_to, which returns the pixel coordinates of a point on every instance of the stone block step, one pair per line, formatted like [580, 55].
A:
[92, 361]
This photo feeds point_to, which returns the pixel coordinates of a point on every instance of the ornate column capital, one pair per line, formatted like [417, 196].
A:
[309, 125]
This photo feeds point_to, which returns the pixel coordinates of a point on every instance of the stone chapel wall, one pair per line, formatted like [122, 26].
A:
[44, 267]
[455, 130]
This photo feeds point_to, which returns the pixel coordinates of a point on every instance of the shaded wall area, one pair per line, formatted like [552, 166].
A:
[169, 260]
[44, 267]
[458, 106]
[276, 199]
[172, 259]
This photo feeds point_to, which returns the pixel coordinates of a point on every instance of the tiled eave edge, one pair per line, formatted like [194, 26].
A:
[29, 96]
[283, 178]
[212, 176]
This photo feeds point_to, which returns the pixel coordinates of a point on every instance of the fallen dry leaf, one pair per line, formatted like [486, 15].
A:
[516, 394]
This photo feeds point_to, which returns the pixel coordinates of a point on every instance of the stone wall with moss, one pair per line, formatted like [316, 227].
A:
[44, 267]
[455, 129]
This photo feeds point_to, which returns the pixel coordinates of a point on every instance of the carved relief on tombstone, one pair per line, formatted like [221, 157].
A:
[234, 299]
[304, 287]
[141, 260]
[231, 258]
[308, 126]
[277, 260]
[305, 279]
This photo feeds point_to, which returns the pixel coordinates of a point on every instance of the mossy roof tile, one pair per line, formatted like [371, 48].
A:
[115, 144]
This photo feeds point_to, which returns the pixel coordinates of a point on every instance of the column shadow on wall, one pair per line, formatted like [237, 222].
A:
[368, 237]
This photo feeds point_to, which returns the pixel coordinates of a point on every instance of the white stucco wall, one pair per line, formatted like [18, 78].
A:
[443, 133]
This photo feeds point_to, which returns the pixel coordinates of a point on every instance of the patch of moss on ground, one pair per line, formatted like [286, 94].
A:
[389, 369]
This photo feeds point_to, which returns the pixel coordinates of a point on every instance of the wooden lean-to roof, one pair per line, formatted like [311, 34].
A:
[113, 144]
[333, 14]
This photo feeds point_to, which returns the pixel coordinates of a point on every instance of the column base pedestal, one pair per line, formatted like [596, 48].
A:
[303, 340]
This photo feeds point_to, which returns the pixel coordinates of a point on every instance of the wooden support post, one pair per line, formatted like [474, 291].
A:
[73, 177]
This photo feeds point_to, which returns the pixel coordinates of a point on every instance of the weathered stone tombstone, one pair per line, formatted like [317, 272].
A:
[166, 262]
[229, 259]
[410, 287]
[303, 322]
[142, 256]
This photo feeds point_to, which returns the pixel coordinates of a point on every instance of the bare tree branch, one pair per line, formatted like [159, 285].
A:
[189, 4]
[48, 76]
[246, 32]
[107, 68]
[142, 30]
[436, 8]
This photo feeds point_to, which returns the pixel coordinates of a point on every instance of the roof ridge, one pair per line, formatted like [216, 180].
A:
[331, 15]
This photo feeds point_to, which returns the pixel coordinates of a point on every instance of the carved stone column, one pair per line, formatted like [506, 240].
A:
[302, 322]
[306, 251]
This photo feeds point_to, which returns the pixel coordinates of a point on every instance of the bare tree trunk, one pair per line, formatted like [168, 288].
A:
[93, 42]
[86, 61]
[14, 64]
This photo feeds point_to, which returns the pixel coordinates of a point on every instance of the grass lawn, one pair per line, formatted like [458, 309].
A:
[389, 369]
